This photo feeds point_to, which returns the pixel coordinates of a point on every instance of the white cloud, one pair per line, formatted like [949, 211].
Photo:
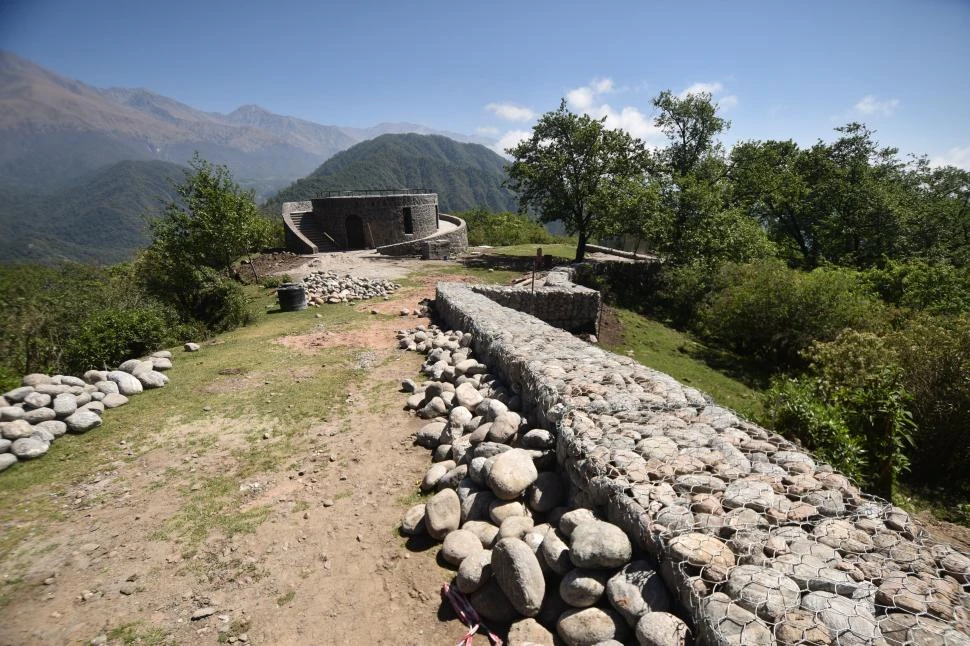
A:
[602, 86]
[581, 98]
[588, 99]
[727, 102]
[510, 139]
[487, 131]
[959, 157]
[701, 88]
[510, 111]
[871, 104]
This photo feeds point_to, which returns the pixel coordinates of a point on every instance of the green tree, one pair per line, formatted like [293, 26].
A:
[213, 223]
[565, 168]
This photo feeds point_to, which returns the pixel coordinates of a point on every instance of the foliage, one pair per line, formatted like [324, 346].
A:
[503, 229]
[859, 402]
[775, 313]
[940, 288]
[108, 337]
[465, 176]
[565, 168]
[934, 355]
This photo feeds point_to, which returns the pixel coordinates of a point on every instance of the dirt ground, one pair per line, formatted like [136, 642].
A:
[325, 566]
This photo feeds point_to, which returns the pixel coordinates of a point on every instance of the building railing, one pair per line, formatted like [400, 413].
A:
[376, 191]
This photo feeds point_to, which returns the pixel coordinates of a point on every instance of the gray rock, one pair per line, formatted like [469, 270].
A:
[38, 415]
[486, 532]
[801, 628]
[151, 378]
[504, 427]
[434, 474]
[700, 551]
[114, 400]
[442, 513]
[636, 590]
[581, 588]
[537, 438]
[468, 396]
[27, 448]
[529, 632]
[458, 545]
[475, 571]
[750, 493]
[515, 527]
[569, 520]
[93, 406]
[65, 404]
[37, 400]
[662, 629]
[519, 575]
[596, 544]
[162, 354]
[161, 363]
[547, 492]
[555, 552]
[7, 460]
[16, 429]
[191, 347]
[413, 522]
[127, 384]
[41, 434]
[107, 387]
[17, 395]
[851, 621]
[94, 376]
[901, 629]
[82, 421]
[476, 505]
[511, 474]
[5, 445]
[763, 591]
[499, 510]
[36, 379]
[724, 623]
[589, 626]
[11, 413]
[429, 434]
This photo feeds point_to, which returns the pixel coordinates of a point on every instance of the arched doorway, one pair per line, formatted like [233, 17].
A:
[355, 233]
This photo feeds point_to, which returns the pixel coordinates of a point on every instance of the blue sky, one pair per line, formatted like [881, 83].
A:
[778, 69]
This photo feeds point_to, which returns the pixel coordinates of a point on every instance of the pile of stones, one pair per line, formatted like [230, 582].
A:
[327, 287]
[524, 558]
[46, 407]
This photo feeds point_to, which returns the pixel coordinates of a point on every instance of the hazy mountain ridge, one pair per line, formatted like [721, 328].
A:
[464, 175]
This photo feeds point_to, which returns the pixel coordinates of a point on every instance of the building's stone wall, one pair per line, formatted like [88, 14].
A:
[557, 301]
[703, 491]
[454, 240]
[295, 240]
[382, 215]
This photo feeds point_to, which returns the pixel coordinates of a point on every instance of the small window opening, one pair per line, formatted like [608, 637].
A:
[408, 220]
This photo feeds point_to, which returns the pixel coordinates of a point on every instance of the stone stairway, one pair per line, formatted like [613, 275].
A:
[305, 225]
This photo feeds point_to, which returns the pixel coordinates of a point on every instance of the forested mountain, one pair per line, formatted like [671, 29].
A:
[465, 176]
[100, 218]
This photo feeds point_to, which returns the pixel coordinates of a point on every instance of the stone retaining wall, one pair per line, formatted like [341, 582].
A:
[704, 492]
[559, 302]
[456, 240]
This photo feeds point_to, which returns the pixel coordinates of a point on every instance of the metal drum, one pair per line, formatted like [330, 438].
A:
[292, 297]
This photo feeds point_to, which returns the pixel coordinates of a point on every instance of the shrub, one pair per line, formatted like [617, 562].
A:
[939, 288]
[108, 337]
[503, 229]
[766, 310]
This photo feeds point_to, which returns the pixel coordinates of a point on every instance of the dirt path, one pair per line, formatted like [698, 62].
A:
[307, 553]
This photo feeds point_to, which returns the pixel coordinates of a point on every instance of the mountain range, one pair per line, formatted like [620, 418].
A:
[81, 167]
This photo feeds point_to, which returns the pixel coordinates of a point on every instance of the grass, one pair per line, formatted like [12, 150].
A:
[284, 599]
[137, 633]
[672, 352]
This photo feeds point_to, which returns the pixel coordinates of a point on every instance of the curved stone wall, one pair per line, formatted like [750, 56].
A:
[454, 239]
[382, 218]
[759, 542]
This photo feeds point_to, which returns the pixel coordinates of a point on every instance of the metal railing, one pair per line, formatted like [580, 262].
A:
[376, 192]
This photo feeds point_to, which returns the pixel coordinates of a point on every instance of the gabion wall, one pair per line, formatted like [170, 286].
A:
[759, 542]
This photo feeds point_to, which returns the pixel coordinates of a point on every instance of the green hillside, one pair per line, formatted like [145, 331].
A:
[465, 176]
[100, 218]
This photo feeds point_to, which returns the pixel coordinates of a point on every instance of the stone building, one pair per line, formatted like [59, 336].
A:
[393, 222]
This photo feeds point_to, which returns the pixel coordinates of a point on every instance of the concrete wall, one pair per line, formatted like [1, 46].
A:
[703, 491]
[383, 217]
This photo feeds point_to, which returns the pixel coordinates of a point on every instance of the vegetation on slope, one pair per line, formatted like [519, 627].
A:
[465, 176]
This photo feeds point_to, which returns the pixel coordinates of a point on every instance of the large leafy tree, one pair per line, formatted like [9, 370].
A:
[565, 169]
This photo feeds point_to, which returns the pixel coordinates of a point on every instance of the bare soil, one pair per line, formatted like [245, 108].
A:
[325, 563]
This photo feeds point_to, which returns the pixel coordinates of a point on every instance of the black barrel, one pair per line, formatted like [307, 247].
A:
[292, 297]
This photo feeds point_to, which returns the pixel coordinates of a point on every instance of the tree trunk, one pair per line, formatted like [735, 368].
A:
[581, 246]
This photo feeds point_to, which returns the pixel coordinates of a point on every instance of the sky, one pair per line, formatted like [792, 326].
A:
[778, 70]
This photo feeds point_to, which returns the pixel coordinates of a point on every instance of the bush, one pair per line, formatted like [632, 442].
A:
[934, 353]
[109, 337]
[503, 229]
[937, 288]
[852, 407]
[774, 313]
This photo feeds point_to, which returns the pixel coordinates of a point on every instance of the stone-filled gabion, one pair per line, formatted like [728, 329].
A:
[328, 287]
[756, 542]
[45, 407]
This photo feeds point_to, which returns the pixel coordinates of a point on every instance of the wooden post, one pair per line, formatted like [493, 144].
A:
[536, 263]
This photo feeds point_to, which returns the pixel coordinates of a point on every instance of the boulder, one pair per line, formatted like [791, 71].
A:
[128, 384]
[458, 545]
[636, 590]
[38, 415]
[547, 492]
[725, 623]
[581, 588]
[662, 629]
[511, 474]
[413, 522]
[851, 621]
[569, 520]
[7, 460]
[529, 632]
[82, 421]
[27, 448]
[64, 404]
[16, 429]
[55, 427]
[114, 400]
[442, 513]
[475, 571]
[598, 545]
[492, 604]
[10, 413]
[763, 591]
[151, 378]
[589, 626]
[519, 575]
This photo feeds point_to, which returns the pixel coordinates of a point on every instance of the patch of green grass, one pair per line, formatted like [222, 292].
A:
[213, 506]
[415, 497]
[565, 251]
[136, 632]
[667, 350]
[284, 599]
